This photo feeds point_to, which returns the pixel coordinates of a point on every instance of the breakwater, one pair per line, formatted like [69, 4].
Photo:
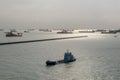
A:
[41, 40]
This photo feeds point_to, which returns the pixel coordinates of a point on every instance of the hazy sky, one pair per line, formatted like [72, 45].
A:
[60, 13]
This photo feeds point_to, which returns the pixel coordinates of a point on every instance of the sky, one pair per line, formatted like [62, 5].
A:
[60, 14]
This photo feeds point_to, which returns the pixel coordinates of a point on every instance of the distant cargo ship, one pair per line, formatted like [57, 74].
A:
[109, 32]
[87, 31]
[65, 32]
[13, 34]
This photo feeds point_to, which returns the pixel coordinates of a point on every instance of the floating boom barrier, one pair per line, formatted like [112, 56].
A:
[41, 40]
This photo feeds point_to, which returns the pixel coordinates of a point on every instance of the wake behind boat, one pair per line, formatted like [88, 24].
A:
[68, 57]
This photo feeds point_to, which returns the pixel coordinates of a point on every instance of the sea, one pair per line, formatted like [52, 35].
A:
[97, 57]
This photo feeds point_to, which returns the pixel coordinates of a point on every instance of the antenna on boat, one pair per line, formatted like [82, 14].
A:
[67, 50]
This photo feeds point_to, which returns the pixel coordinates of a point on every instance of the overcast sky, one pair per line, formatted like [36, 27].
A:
[60, 13]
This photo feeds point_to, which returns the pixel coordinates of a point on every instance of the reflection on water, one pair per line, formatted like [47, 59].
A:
[97, 56]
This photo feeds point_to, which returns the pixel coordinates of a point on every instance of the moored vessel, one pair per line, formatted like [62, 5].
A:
[65, 32]
[108, 32]
[13, 34]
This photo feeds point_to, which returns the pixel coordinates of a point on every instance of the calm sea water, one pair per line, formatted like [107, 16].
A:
[98, 58]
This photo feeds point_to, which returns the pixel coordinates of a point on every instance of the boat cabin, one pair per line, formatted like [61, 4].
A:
[68, 57]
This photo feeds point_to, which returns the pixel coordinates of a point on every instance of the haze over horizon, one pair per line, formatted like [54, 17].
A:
[59, 14]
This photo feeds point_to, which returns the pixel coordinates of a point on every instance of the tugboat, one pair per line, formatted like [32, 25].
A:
[68, 57]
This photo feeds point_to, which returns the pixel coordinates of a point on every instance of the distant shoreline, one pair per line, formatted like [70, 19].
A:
[41, 40]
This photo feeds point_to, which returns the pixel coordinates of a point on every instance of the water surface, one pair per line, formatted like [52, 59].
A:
[98, 58]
